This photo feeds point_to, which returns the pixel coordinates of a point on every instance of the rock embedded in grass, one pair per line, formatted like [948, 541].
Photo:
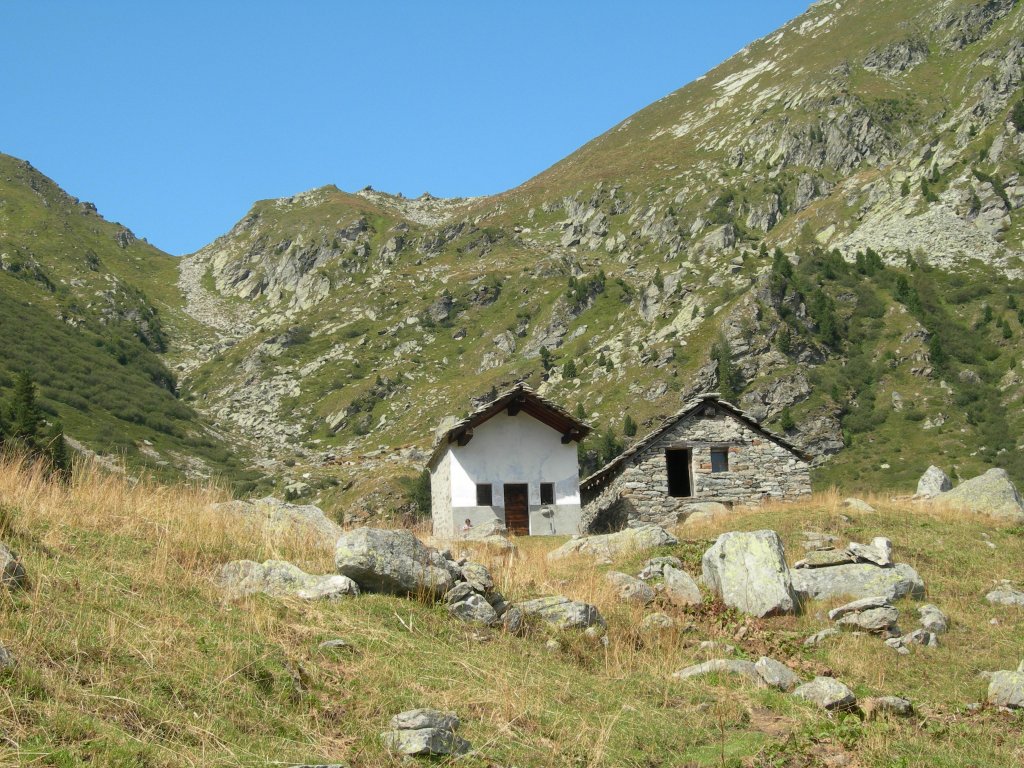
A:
[474, 610]
[562, 612]
[657, 621]
[992, 494]
[679, 588]
[279, 578]
[857, 580]
[776, 674]
[894, 706]
[748, 571]
[819, 637]
[1006, 594]
[745, 669]
[858, 505]
[1006, 689]
[7, 659]
[393, 562]
[828, 693]
[630, 588]
[425, 732]
[932, 483]
[655, 567]
[610, 545]
[12, 572]
[933, 619]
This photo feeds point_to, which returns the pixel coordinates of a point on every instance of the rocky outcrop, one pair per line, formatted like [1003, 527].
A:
[748, 572]
[393, 562]
[992, 494]
[932, 483]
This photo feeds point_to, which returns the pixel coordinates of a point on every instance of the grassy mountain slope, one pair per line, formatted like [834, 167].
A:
[128, 655]
[75, 314]
[355, 323]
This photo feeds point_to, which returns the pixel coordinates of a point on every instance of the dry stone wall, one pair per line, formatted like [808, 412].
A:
[759, 469]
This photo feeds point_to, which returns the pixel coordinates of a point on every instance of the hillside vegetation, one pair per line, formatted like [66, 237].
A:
[128, 654]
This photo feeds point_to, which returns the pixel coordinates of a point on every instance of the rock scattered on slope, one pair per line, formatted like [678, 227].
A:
[992, 494]
[745, 669]
[12, 572]
[655, 567]
[279, 519]
[776, 674]
[393, 562]
[610, 545]
[1006, 594]
[748, 571]
[679, 587]
[282, 579]
[1006, 689]
[474, 609]
[933, 619]
[425, 732]
[893, 706]
[879, 551]
[819, 637]
[7, 659]
[932, 483]
[657, 621]
[919, 636]
[828, 693]
[562, 612]
[858, 580]
[858, 505]
[630, 588]
[870, 614]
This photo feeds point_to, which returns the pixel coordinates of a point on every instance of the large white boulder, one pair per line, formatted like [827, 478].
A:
[393, 562]
[992, 494]
[857, 580]
[748, 571]
[933, 482]
[282, 579]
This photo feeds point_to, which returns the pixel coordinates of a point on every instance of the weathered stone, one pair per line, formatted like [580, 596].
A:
[610, 545]
[393, 562]
[747, 570]
[425, 741]
[417, 719]
[932, 483]
[657, 621]
[280, 520]
[336, 644]
[1006, 689]
[655, 567]
[933, 619]
[824, 558]
[459, 592]
[12, 573]
[992, 494]
[815, 541]
[858, 505]
[680, 588]
[874, 620]
[704, 512]
[818, 637]
[857, 606]
[7, 659]
[475, 610]
[1006, 594]
[282, 579]
[878, 552]
[776, 674]
[827, 693]
[893, 706]
[857, 580]
[562, 612]
[631, 588]
[745, 669]
[512, 620]
[478, 577]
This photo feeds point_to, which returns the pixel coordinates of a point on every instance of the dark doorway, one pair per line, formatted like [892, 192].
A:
[517, 509]
[677, 464]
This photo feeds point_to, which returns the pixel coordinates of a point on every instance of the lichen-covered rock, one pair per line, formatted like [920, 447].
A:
[992, 494]
[745, 669]
[610, 545]
[748, 571]
[894, 706]
[282, 579]
[279, 520]
[416, 719]
[878, 552]
[562, 612]
[857, 580]
[474, 610]
[932, 619]
[630, 588]
[858, 505]
[478, 577]
[776, 674]
[879, 621]
[932, 483]
[827, 693]
[680, 588]
[825, 558]
[12, 573]
[425, 741]
[392, 562]
[857, 606]
[1006, 594]
[1006, 689]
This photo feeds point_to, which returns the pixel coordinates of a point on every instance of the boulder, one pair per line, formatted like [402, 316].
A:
[657, 621]
[857, 580]
[1006, 594]
[630, 588]
[893, 706]
[279, 519]
[424, 732]
[878, 552]
[474, 610]
[827, 693]
[1006, 689]
[611, 545]
[282, 579]
[825, 558]
[704, 512]
[562, 612]
[992, 494]
[776, 674]
[932, 619]
[478, 577]
[12, 573]
[392, 562]
[747, 570]
[745, 669]
[879, 621]
[933, 482]
[680, 588]
[858, 505]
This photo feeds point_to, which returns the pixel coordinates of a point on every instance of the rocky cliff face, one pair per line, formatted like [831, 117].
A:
[879, 134]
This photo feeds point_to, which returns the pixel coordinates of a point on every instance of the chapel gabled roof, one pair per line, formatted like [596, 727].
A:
[519, 398]
[612, 468]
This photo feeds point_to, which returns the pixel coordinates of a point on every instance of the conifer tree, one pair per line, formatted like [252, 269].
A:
[26, 417]
[569, 369]
[628, 426]
[57, 450]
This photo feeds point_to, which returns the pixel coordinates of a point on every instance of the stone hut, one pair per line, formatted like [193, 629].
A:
[710, 451]
[512, 463]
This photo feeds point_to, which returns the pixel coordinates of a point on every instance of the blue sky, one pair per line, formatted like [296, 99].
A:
[174, 117]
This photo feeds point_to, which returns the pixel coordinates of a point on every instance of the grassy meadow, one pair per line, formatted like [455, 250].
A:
[128, 655]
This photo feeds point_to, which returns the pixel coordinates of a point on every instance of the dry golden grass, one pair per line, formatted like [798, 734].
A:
[128, 654]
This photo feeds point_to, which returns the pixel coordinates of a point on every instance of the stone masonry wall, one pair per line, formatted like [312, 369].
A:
[759, 469]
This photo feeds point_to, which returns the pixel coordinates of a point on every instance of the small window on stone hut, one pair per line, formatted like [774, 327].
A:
[547, 493]
[719, 459]
[484, 494]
